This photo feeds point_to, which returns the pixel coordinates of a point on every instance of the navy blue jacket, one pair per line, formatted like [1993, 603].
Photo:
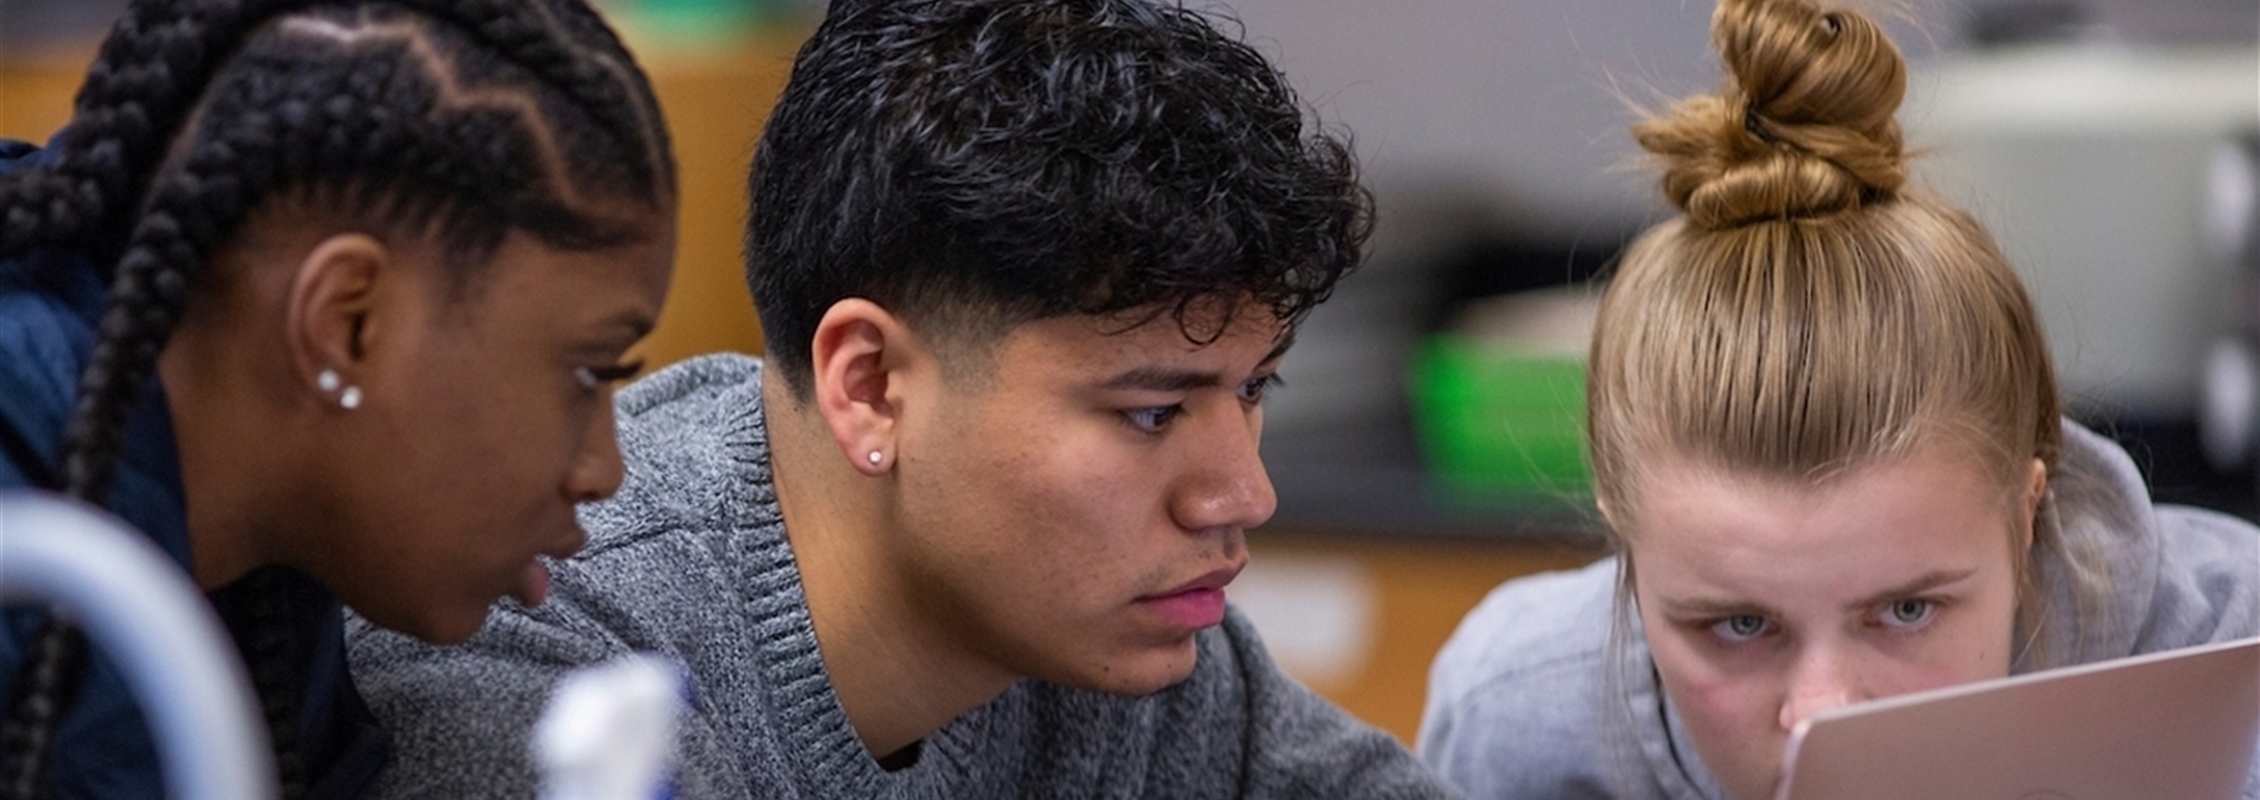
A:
[50, 303]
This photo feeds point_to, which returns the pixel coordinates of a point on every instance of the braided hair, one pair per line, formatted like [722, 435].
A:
[463, 118]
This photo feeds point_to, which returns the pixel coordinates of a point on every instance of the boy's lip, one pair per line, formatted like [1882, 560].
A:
[1213, 579]
[1195, 604]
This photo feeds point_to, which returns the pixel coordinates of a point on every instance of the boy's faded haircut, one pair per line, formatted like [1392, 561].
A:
[973, 165]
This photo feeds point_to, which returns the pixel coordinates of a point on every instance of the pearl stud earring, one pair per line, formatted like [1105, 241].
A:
[875, 458]
[328, 381]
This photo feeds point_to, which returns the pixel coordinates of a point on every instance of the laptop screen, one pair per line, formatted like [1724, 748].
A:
[2180, 723]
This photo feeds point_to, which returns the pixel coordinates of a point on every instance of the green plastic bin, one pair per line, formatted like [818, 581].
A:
[1493, 417]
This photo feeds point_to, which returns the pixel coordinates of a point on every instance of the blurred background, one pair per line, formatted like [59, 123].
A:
[1426, 445]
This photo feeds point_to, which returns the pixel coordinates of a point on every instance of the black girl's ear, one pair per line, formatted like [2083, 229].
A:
[328, 315]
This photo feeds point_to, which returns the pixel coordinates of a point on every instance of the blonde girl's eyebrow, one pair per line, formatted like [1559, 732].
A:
[1710, 607]
[1716, 607]
[1925, 582]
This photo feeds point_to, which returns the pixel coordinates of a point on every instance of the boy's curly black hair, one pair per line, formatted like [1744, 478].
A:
[977, 164]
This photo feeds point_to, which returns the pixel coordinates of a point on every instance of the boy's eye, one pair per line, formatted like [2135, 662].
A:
[1151, 420]
[592, 377]
[1740, 627]
[1909, 613]
[1254, 390]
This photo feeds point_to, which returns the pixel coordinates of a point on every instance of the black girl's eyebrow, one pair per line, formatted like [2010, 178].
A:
[635, 324]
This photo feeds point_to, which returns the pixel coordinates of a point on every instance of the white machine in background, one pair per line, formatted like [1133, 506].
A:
[2090, 163]
[2230, 418]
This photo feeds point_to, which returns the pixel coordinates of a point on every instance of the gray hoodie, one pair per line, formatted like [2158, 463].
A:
[1522, 702]
[690, 559]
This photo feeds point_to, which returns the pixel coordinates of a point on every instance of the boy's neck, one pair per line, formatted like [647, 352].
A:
[899, 676]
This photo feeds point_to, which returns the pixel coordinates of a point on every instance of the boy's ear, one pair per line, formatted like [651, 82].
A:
[328, 315]
[860, 359]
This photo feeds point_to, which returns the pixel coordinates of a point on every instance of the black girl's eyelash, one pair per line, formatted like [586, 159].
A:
[592, 377]
[618, 372]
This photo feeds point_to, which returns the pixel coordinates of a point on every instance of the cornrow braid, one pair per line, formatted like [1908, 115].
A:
[139, 85]
[142, 82]
[599, 79]
[398, 123]
[42, 204]
[54, 668]
[276, 660]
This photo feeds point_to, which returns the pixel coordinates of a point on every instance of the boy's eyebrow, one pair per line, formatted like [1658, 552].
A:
[1163, 379]
[1279, 351]
[1169, 379]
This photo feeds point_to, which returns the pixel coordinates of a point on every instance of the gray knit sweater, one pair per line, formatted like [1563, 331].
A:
[690, 560]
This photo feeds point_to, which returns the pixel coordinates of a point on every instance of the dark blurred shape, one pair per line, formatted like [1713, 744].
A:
[33, 23]
[2172, 460]
[1494, 264]
[2028, 22]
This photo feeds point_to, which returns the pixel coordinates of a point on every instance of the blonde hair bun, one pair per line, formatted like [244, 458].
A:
[1805, 126]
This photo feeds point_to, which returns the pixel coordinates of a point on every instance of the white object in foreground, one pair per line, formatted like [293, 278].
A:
[609, 731]
[139, 609]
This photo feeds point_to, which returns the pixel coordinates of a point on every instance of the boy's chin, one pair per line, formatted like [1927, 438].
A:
[1140, 674]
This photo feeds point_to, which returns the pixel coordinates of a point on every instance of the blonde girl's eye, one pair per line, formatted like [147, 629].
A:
[1909, 613]
[1740, 627]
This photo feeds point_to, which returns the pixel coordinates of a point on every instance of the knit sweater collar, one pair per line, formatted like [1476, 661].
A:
[809, 717]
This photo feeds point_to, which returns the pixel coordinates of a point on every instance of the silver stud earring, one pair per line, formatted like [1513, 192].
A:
[875, 458]
[328, 381]
[350, 399]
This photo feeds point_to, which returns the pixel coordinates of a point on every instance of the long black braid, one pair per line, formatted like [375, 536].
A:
[196, 112]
